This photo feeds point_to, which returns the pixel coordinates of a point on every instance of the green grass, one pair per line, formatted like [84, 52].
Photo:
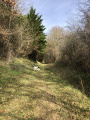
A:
[74, 77]
[47, 94]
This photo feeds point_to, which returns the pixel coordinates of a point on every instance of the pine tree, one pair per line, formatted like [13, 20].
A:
[37, 31]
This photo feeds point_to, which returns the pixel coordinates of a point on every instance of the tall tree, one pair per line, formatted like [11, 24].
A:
[37, 31]
[9, 36]
[55, 43]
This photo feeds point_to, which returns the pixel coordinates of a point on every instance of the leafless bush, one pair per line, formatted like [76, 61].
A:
[73, 47]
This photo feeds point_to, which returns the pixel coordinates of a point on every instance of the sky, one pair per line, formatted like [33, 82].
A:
[54, 12]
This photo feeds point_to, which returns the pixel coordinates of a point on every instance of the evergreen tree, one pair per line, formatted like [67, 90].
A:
[37, 31]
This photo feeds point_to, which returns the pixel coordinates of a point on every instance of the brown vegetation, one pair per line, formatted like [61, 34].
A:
[71, 46]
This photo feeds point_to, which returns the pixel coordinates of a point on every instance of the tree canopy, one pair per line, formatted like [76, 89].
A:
[37, 31]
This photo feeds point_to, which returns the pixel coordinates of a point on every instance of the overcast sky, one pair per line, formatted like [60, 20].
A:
[54, 12]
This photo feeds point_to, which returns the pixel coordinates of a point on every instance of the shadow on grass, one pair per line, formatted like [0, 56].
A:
[14, 92]
[10, 76]
[79, 79]
[60, 101]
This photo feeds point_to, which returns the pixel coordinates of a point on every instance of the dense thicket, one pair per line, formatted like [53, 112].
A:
[9, 42]
[20, 35]
[72, 46]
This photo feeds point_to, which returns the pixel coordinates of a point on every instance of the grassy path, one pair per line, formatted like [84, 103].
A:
[37, 95]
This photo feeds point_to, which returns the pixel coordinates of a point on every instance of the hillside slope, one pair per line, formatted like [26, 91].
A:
[26, 94]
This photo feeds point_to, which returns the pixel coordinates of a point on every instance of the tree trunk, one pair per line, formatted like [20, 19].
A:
[9, 55]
